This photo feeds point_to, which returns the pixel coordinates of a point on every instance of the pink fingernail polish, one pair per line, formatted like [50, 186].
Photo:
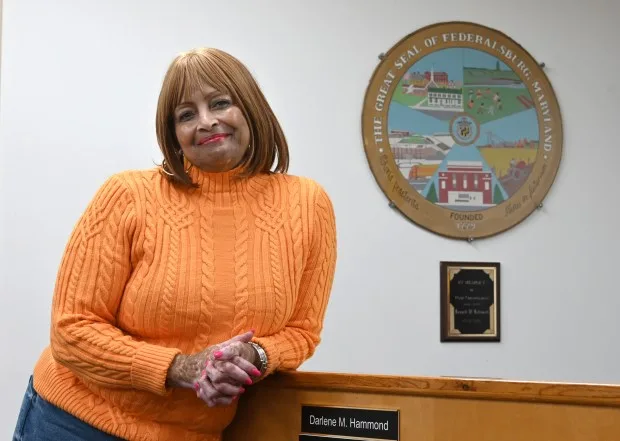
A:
[196, 386]
[204, 371]
[249, 381]
[256, 372]
[218, 354]
[242, 390]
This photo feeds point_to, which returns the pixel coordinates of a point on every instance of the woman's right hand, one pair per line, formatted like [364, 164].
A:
[188, 371]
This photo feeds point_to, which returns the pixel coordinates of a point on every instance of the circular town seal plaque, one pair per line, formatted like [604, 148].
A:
[462, 130]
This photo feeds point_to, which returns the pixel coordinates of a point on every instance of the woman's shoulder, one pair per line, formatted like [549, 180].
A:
[138, 177]
[134, 181]
[130, 185]
[303, 190]
[292, 182]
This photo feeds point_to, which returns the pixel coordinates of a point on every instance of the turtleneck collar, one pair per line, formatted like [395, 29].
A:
[215, 181]
[226, 188]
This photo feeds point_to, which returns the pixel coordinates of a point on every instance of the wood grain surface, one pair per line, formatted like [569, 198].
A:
[436, 408]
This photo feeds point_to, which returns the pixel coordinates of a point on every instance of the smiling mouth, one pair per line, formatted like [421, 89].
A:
[213, 139]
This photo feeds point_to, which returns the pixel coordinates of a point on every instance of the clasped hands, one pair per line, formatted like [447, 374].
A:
[228, 368]
[219, 373]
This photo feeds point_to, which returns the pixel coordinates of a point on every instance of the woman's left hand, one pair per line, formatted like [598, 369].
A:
[229, 369]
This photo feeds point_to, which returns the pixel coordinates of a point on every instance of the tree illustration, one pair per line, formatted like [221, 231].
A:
[498, 198]
[432, 194]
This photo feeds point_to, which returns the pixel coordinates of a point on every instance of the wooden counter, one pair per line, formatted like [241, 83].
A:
[435, 408]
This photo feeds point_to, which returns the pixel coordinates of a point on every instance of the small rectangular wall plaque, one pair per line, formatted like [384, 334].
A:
[376, 424]
[470, 298]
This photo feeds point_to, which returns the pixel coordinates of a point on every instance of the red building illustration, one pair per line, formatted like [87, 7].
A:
[465, 183]
[437, 77]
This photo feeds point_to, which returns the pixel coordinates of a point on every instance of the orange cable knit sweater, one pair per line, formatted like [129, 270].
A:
[152, 270]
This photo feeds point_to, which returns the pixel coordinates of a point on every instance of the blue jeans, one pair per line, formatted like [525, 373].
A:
[39, 420]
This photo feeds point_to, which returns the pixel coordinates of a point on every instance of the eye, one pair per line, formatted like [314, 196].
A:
[186, 115]
[221, 103]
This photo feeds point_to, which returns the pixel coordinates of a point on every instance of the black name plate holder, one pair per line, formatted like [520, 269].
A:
[376, 424]
[327, 438]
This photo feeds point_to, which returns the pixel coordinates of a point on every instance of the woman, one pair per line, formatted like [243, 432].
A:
[183, 285]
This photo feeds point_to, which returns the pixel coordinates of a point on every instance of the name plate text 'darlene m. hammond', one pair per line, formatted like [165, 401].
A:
[376, 424]
[328, 438]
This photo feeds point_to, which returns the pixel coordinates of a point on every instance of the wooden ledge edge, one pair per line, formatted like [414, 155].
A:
[466, 388]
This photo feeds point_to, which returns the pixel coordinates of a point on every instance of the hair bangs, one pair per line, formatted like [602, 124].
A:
[196, 73]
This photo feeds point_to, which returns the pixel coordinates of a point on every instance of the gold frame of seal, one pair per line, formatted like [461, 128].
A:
[458, 224]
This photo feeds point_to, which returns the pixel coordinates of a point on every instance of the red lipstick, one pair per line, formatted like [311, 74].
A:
[213, 138]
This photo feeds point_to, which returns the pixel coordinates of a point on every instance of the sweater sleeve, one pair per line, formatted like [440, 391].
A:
[289, 348]
[89, 286]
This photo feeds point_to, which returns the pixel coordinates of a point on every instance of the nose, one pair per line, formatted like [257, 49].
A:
[207, 119]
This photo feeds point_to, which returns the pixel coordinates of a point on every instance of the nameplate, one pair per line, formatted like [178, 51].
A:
[328, 438]
[349, 421]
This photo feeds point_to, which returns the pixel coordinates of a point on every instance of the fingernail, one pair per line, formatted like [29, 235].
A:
[236, 398]
[218, 354]
[249, 381]
[242, 390]
[252, 330]
[196, 386]
[204, 372]
[256, 372]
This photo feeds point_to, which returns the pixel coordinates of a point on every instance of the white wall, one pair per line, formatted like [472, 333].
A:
[79, 86]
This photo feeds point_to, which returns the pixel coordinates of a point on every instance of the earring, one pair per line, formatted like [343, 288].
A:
[164, 166]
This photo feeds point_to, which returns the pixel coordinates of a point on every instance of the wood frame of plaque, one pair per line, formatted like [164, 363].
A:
[470, 301]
